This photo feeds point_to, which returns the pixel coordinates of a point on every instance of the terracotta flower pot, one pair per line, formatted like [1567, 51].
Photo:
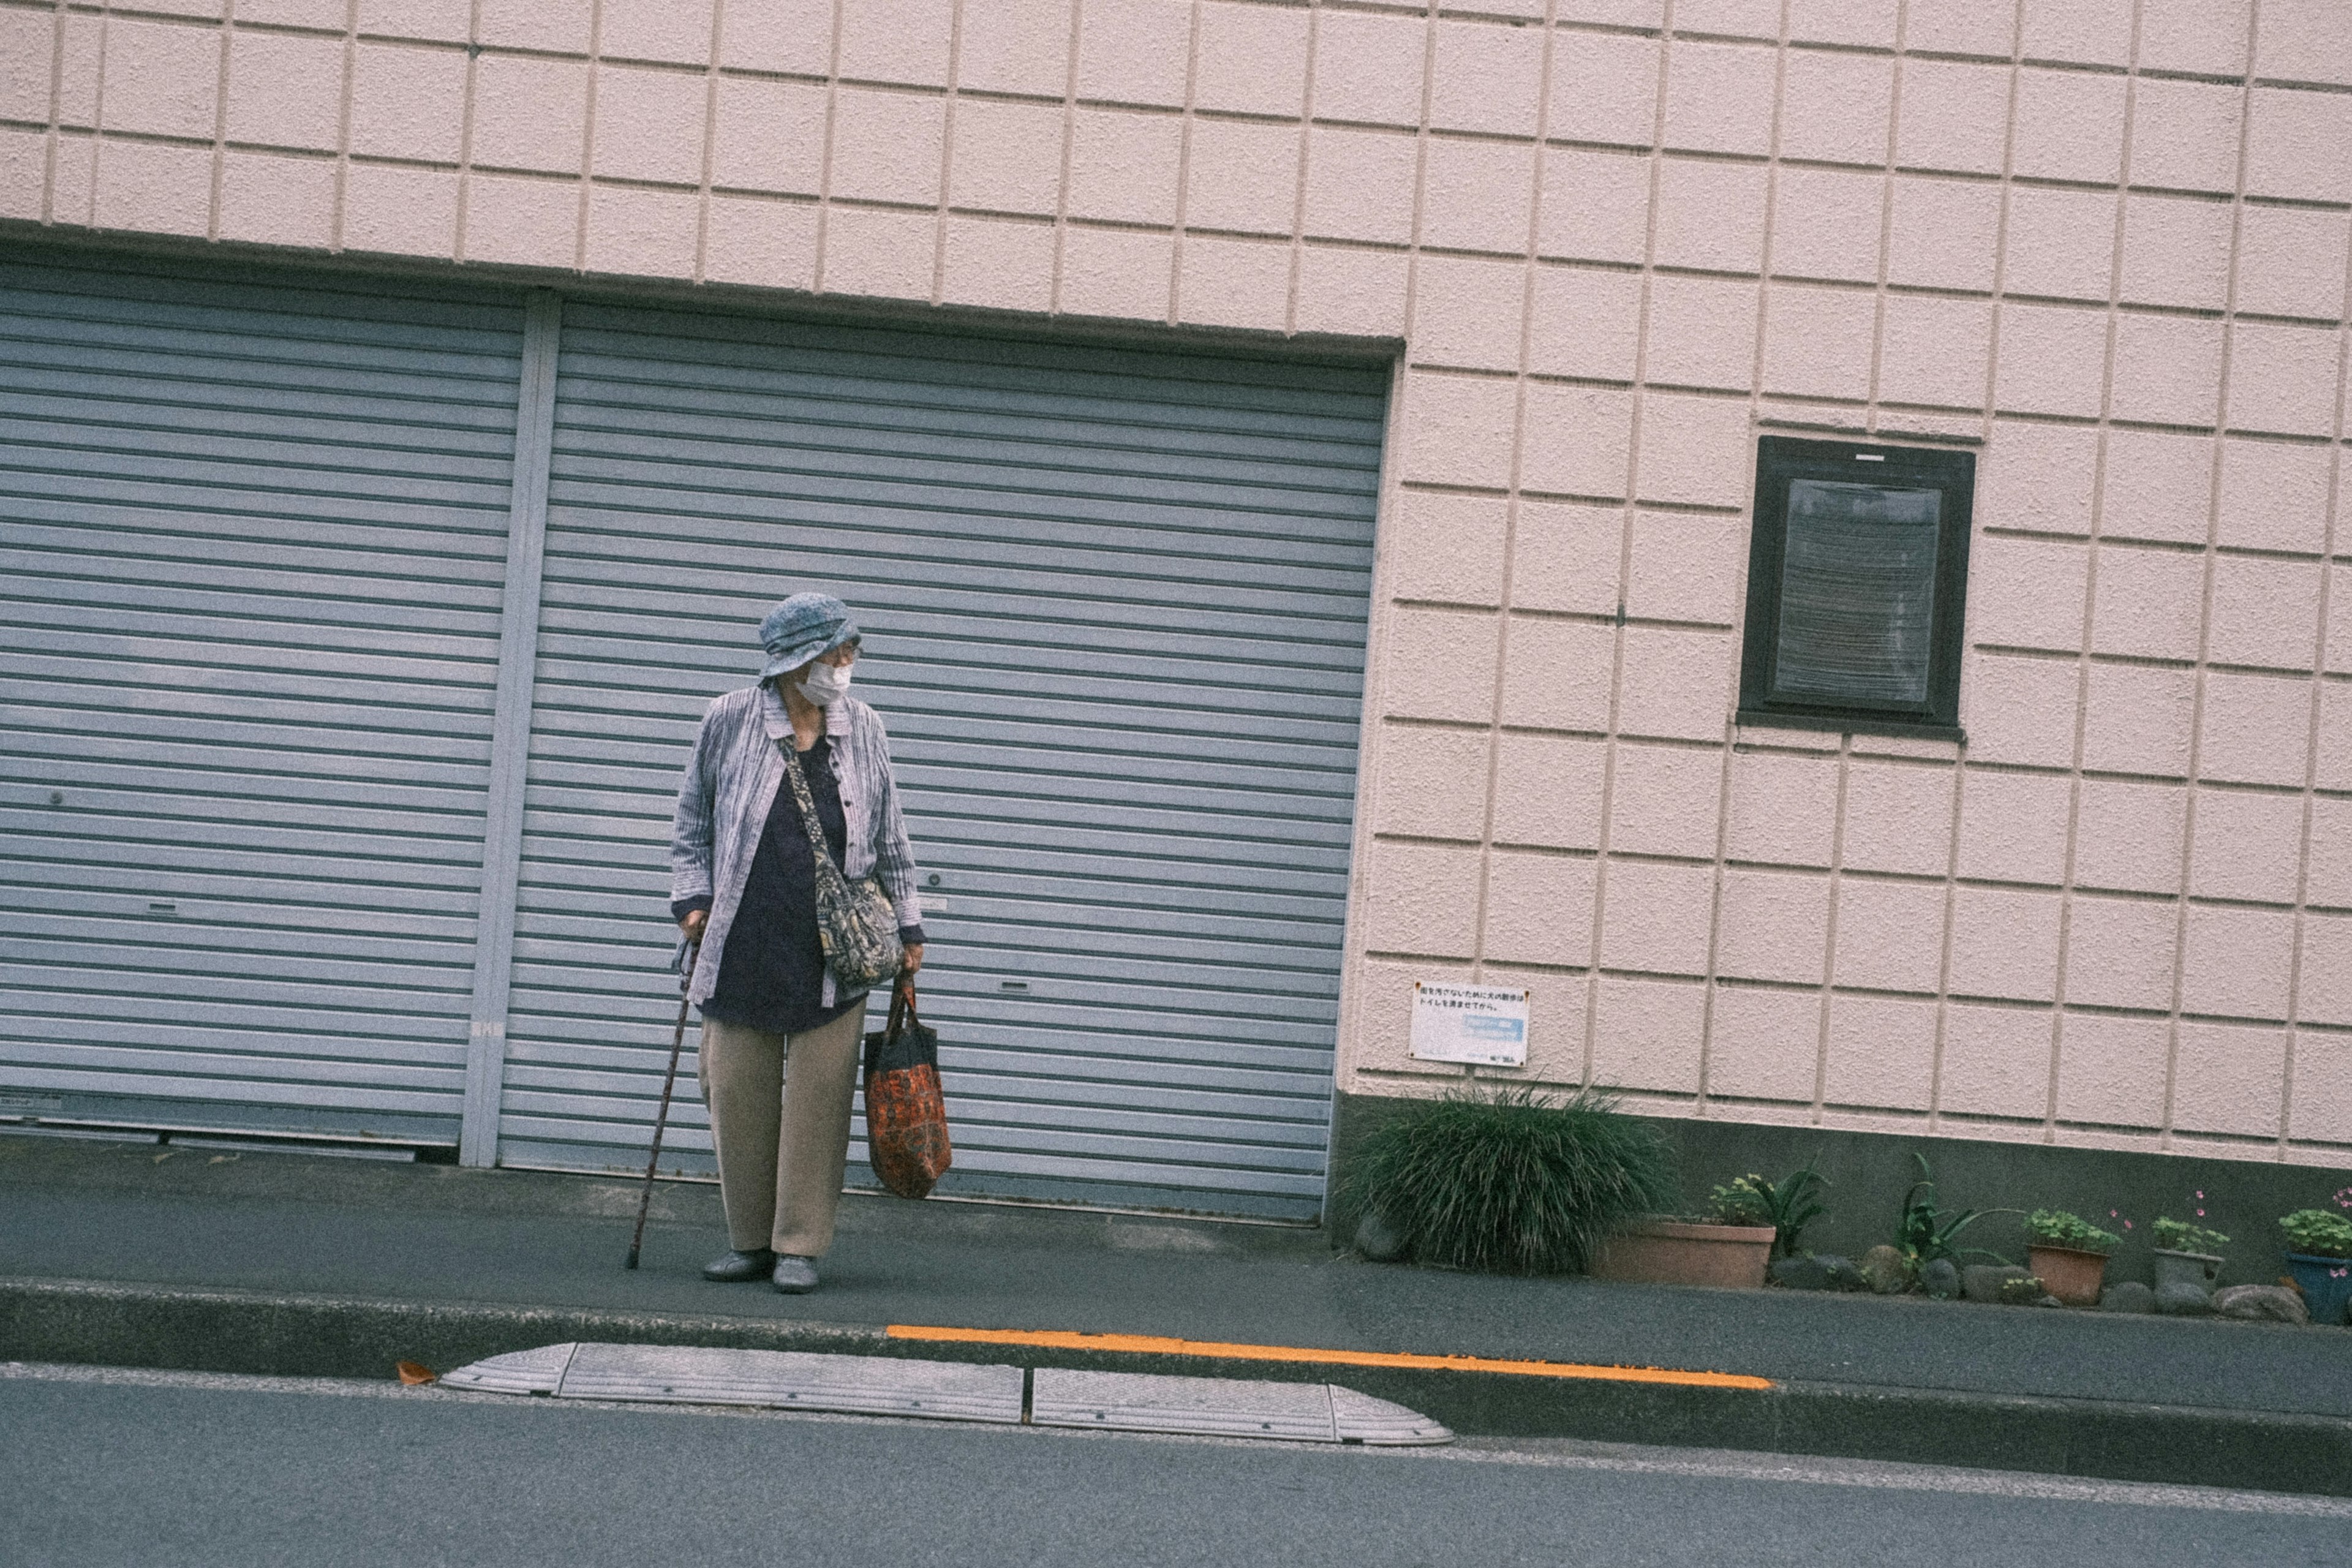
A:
[2071, 1276]
[1669, 1252]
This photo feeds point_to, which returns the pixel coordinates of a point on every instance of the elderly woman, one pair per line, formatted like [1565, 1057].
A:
[743, 882]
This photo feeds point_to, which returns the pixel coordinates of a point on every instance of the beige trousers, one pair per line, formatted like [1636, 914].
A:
[783, 1138]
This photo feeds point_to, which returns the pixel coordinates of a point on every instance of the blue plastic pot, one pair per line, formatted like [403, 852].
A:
[2325, 1282]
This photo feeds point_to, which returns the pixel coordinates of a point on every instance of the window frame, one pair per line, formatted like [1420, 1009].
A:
[1780, 459]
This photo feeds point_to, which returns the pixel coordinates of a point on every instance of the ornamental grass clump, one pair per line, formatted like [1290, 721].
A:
[1511, 1180]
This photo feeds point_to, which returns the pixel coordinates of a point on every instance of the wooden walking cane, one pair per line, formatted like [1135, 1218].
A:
[693, 951]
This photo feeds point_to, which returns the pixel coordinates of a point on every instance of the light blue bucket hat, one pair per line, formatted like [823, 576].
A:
[801, 627]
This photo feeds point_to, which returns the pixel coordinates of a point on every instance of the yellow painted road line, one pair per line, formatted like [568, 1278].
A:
[1152, 1344]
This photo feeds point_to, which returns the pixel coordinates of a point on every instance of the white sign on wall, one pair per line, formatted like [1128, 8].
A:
[1485, 1025]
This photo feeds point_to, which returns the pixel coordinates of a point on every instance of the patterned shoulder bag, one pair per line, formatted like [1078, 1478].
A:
[855, 921]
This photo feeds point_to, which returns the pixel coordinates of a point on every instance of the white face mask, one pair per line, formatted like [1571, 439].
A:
[825, 684]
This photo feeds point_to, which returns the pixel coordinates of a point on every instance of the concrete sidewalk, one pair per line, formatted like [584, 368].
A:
[187, 1256]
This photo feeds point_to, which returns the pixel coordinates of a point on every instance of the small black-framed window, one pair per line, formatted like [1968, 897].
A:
[1857, 581]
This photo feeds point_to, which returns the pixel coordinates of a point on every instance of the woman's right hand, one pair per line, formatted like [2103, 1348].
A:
[693, 923]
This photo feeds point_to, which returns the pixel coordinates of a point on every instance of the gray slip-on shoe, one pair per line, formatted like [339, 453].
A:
[737, 1266]
[795, 1275]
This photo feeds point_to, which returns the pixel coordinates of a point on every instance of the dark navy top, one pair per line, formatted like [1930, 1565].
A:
[772, 975]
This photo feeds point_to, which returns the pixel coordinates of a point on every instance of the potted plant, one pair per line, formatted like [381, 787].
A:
[1924, 1233]
[1788, 1207]
[2188, 1254]
[1662, 1251]
[2319, 1259]
[2068, 1254]
[1749, 1222]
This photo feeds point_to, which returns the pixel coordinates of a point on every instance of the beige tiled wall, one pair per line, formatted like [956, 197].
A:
[2105, 242]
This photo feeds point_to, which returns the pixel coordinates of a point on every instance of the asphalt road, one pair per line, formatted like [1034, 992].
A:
[112, 1468]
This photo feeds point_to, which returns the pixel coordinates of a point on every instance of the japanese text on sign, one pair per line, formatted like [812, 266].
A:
[1483, 1024]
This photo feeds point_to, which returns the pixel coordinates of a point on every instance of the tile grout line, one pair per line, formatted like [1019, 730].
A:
[1493, 728]
[343, 126]
[1709, 978]
[947, 151]
[2100, 449]
[52, 140]
[1173, 310]
[1827, 1004]
[463, 228]
[1399, 389]
[1421, 138]
[1826, 989]
[1069, 142]
[2168, 1110]
[709, 140]
[825, 164]
[1655, 158]
[587, 199]
[1305, 154]
[1887, 217]
[222, 83]
[2314, 731]
[1374, 750]
[1960, 762]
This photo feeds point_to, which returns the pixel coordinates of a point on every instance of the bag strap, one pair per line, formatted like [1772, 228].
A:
[807, 803]
[902, 1010]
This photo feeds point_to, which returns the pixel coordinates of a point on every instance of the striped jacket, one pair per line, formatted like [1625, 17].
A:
[723, 802]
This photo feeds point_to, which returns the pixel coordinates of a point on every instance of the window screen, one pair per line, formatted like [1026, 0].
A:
[1855, 577]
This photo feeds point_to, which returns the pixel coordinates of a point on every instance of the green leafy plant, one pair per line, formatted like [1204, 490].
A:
[1788, 1206]
[2316, 1233]
[2181, 1235]
[1511, 1180]
[1926, 1232]
[2057, 1227]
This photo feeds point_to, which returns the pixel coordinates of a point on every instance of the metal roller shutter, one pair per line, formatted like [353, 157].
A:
[252, 538]
[1115, 605]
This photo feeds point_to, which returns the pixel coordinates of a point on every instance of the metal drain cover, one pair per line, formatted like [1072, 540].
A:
[793, 1380]
[1225, 1407]
[950, 1391]
[517, 1371]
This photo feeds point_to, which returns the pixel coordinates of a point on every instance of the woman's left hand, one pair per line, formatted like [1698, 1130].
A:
[910, 958]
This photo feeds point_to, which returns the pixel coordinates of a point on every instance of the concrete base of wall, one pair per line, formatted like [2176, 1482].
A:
[1868, 1174]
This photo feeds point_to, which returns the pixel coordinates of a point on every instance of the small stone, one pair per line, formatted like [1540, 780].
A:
[2127, 1296]
[1846, 1274]
[2261, 1304]
[2048, 1301]
[1941, 1279]
[1376, 1239]
[2179, 1298]
[1982, 1281]
[1884, 1269]
[1806, 1273]
[2021, 1290]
